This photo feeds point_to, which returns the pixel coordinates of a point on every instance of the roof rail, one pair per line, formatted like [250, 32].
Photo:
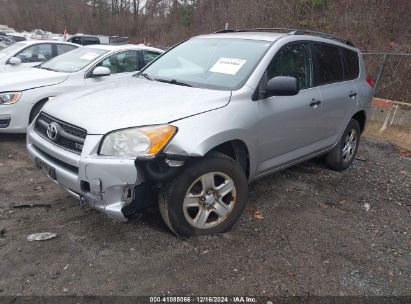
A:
[258, 29]
[322, 35]
[290, 32]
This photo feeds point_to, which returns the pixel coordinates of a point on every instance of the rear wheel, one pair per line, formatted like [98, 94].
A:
[342, 156]
[206, 198]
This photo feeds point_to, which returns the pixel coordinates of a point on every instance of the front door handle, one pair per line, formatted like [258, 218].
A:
[353, 94]
[315, 103]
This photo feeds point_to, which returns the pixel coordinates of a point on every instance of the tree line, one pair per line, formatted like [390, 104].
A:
[373, 25]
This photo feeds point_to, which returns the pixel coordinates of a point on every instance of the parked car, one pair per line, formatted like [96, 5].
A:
[24, 93]
[26, 54]
[3, 45]
[82, 39]
[201, 121]
[17, 37]
[4, 39]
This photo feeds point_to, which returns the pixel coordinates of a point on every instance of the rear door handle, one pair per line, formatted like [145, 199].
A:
[315, 103]
[353, 94]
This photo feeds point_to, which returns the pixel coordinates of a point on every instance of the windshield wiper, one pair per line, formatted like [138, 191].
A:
[173, 81]
[145, 75]
[48, 69]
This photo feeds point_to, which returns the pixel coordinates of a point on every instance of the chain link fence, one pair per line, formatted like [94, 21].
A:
[391, 73]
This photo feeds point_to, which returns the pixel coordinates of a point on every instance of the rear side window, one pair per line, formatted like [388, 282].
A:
[328, 66]
[64, 48]
[352, 64]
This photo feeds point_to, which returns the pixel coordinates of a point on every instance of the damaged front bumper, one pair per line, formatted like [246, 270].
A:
[106, 184]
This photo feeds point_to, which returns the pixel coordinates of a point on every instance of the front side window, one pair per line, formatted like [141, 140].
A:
[36, 53]
[221, 64]
[121, 62]
[328, 67]
[73, 61]
[294, 61]
[11, 50]
[90, 41]
[76, 40]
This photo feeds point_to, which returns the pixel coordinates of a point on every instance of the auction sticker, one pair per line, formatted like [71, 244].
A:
[229, 66]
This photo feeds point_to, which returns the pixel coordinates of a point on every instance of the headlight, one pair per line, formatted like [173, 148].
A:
[9, 98]
[137, 142]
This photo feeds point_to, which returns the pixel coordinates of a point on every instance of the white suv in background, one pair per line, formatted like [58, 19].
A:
[23, 94]
[26, 54]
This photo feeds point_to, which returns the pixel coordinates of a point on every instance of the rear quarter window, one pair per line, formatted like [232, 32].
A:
[352, 64]
[150, 56]
[64, 48]
[328, 65]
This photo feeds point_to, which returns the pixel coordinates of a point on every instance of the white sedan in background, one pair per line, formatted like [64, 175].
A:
[23, 94]
[29, 53]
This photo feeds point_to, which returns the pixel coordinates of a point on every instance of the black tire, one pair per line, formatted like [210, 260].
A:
[172, 197]
[36, 110]
[337, 159]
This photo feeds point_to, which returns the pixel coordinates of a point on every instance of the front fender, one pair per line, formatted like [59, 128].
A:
[199, 134]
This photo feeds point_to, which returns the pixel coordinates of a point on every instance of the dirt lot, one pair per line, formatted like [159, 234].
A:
[308, 230]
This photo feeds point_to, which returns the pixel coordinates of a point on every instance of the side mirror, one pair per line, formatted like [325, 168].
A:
[15, 61]
[101, 71]
[282, 86]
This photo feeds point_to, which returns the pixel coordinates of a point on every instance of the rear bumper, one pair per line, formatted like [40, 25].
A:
[105, 184]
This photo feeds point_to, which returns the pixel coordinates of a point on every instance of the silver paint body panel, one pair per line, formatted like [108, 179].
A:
[277, 131]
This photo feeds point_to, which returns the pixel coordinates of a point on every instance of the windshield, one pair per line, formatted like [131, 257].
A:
[11, 50]
[223, 64]
[73, 61]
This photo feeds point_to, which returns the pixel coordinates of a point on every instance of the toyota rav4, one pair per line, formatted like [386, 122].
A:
[211, 115]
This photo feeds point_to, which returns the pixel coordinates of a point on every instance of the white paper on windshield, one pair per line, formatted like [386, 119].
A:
[229, 66]
[89, 56]
[2, 55]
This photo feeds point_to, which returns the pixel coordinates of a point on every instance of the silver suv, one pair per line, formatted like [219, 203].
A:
[203, 120]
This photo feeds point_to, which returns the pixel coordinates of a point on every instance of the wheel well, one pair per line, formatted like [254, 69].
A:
[40, 102]
[237, 150]
[361, 118]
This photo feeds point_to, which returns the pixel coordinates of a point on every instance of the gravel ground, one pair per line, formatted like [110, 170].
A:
[307, 230]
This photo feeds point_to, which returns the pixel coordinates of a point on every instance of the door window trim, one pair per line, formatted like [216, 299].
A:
[30, 45]
[345, 63]
[257, 93]
[341, 58]
[88, 74]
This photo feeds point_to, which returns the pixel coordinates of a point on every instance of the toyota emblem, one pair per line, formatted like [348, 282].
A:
[52, 131]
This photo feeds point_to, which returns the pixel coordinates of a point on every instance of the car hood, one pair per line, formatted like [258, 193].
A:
[29, 79]
[131, 103]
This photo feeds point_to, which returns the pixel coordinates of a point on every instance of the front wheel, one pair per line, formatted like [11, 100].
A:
[343, 154]
[206, 198]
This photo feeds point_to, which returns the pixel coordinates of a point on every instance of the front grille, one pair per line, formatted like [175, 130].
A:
[71, 168]
[60, 133]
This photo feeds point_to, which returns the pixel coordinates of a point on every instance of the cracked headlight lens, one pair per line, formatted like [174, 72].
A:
[9, 98]
[143, 142]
